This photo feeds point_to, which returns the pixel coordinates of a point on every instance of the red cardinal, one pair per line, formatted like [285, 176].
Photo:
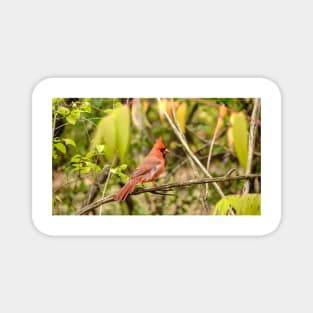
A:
[149, 170]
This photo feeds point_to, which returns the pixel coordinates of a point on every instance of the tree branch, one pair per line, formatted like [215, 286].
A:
[96, 185]
[167, 187]
[252, 134]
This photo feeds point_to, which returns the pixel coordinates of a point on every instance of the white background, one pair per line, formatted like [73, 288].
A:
[197, 38]
[163, 88]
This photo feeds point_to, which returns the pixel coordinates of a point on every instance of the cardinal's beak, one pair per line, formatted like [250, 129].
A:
[166, 151]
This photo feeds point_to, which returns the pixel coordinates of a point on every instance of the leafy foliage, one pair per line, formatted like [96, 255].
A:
[119, 171]
[84, 164]
[60, 146]
[249, 204]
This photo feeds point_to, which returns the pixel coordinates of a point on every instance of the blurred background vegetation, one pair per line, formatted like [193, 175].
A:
[97, 143]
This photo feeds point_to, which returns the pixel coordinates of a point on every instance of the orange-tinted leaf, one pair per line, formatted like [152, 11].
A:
[137, 114]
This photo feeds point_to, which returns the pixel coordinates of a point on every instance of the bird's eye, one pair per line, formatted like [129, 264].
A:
[162, 150]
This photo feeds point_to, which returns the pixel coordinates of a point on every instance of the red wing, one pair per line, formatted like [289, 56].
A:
[146, 166]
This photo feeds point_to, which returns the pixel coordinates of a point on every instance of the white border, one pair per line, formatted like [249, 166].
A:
[166, 88]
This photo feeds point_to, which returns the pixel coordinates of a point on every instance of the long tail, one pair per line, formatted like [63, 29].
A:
[123, 193]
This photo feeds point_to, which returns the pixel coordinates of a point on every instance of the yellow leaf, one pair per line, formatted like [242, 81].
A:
[181, 114]
[122, 126]
[240, 137]
[230, 139]
[164, 106]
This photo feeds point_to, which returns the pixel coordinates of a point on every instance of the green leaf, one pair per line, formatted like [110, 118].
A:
[123, 167]
[249, 204]
[73, 117]
[69, 142]
[54, 155]
[100, 148]
[85, 170]
[61, 147]
[85, 107]
[119, 172]
[91, 154]
[105, 134]
[56, 100]
[240, 137]
[122, 125]
[76, 167]
[63, 110]
[76, 158]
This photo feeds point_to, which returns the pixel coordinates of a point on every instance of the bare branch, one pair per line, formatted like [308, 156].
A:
[95, 187]
[167, 187]
[252, 133]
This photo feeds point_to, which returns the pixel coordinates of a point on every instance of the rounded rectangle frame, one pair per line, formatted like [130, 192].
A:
[202, 225]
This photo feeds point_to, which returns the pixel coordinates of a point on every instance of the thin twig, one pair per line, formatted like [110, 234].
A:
[211, 150]
[54, 123]
[166, 187]
[191, 154]
[105, 188]
[252, 135]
